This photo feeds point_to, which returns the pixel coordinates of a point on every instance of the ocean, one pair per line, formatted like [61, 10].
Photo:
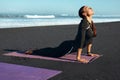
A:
[31, 20]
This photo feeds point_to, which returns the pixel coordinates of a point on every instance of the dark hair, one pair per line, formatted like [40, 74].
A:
[81, 12]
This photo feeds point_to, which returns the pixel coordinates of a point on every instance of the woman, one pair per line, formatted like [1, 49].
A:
[86, 32]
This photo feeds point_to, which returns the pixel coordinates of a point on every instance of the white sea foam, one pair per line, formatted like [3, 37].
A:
[107, 16]
[39, 16]
[105, 20]
[49, 20]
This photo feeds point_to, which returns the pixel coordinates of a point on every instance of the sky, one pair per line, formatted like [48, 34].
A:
[100, 7]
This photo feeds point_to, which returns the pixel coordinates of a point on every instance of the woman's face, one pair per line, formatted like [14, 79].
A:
[89, 11]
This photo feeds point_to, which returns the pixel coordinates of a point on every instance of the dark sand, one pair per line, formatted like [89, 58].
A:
[107, 43]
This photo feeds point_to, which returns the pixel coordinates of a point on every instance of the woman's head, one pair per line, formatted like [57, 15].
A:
[85, 11]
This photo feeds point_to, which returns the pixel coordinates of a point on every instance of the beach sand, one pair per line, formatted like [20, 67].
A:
[106, 43]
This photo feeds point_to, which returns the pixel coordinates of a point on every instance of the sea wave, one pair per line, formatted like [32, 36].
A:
[42, 16]
[39, 16]
[29, 20]
[106, 16]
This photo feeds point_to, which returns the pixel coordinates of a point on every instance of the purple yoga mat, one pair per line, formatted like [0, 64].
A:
[18, 72]
[67, 58]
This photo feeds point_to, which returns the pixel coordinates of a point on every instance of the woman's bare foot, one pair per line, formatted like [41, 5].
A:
[29, 52]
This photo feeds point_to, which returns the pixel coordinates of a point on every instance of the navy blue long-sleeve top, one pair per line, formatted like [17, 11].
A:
[84, 34]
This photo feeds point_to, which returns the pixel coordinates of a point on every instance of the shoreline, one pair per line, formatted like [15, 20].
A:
[55, 25]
